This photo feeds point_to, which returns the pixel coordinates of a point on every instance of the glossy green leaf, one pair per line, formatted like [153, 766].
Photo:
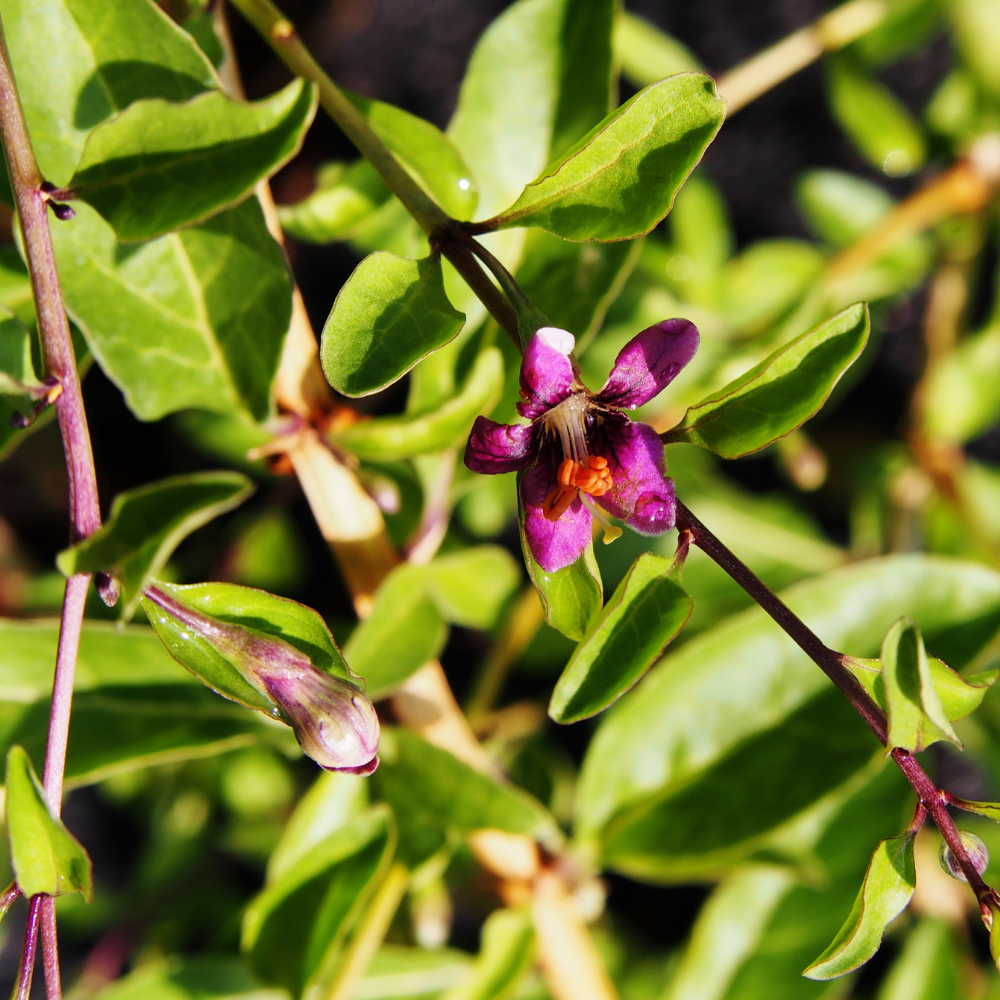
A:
[928, 967]
[647, 610]
[781, 393]
[539, 78]
[571, 596]
[428, 153]
[391, 313]
[46, 856]
[905, 26]
[98, 60]
[647, 54]
[297, 924]
[258, 610]
[196, 319]
[959, 696]
[743, 678]
[619, 181]
[876, 121]
[884, 894]
[148, 523]
[17, 370]
[841, 207]
[407, 626]
[960, 398]
[133, 705]
[763, 924]
[344, 197]
[991, 810]
[916, 718]
[158, 166]
[434, 795]
[506, 952]
[205, 977]
[386, 439]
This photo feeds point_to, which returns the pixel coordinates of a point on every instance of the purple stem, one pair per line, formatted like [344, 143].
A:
[831, 663]
[26, 967]
[50, 948]
[31, 200]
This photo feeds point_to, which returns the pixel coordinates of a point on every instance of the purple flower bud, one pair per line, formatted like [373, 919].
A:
[333, 719]
[974, 847]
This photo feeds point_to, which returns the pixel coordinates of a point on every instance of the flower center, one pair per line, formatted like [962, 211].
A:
[569, 420]
[592, 477]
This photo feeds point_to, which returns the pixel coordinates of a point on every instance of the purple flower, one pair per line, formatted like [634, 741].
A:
[333, 720]
[580, 449]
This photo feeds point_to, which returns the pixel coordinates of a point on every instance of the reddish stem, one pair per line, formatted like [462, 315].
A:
[50, 948]
[26, 967]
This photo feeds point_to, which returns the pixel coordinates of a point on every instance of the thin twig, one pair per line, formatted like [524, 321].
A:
[831, 663]
[26, 966]
[50, 949]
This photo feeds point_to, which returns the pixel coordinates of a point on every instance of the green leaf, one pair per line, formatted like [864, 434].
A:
[647, 610]
[778, 395]
[960, 398]
[46, 856]
[206, 977]
[386, 439]
[434, 795]
[193, 320]
[928, 967]
[840, 207]
[345, 196]
[571, 596]
[258, 610]
[297, 924]
[976, 26]
[620, 179]
[17, 370]
[539, 78]
[426, 151]
[647, 54]
[95, 60]
[158, 166]
[397, 971]
[905, 27]
[407, 625]
[505, 955]
[916, 718]
[133, 706]
[147, 524]
[885, 893]
[742, 680]
[392, 312]
[876, 121]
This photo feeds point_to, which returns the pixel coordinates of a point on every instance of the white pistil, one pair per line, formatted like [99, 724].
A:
[568, 420]
[611, 532]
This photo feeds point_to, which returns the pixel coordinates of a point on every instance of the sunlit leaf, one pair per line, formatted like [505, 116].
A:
[505, 954]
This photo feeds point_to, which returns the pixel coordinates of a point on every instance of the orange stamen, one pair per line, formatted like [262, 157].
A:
[596, 462]
[567, 472]
[561, 505]
[591, 476]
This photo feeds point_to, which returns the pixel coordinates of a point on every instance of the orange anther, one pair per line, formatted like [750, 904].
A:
[600, 489]
[587, 480]
[596, 462]
[567, 472]
[561, 505]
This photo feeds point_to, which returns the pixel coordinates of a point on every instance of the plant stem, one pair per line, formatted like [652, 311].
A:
[26, 967]
[831, 663]
[50, 950]
[85, 513]
[280, 34]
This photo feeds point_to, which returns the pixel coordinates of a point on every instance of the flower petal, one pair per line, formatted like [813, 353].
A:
[649, 362]
[546, 371]
[642, 496]
[554, 544]
[494, 448]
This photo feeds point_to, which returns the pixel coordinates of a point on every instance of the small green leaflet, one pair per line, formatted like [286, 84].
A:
[392, 312]
[916, 717]
[647, 610]
[158, 166]
[385, 439]
[778, 395]
[885, 893]
[148, 523]
[46, 857]
[571, 596]
[426, 151]
[620, 179]
[505, 955]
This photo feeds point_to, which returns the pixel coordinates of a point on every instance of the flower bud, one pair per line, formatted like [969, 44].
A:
[974, 847]
[333, 720]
